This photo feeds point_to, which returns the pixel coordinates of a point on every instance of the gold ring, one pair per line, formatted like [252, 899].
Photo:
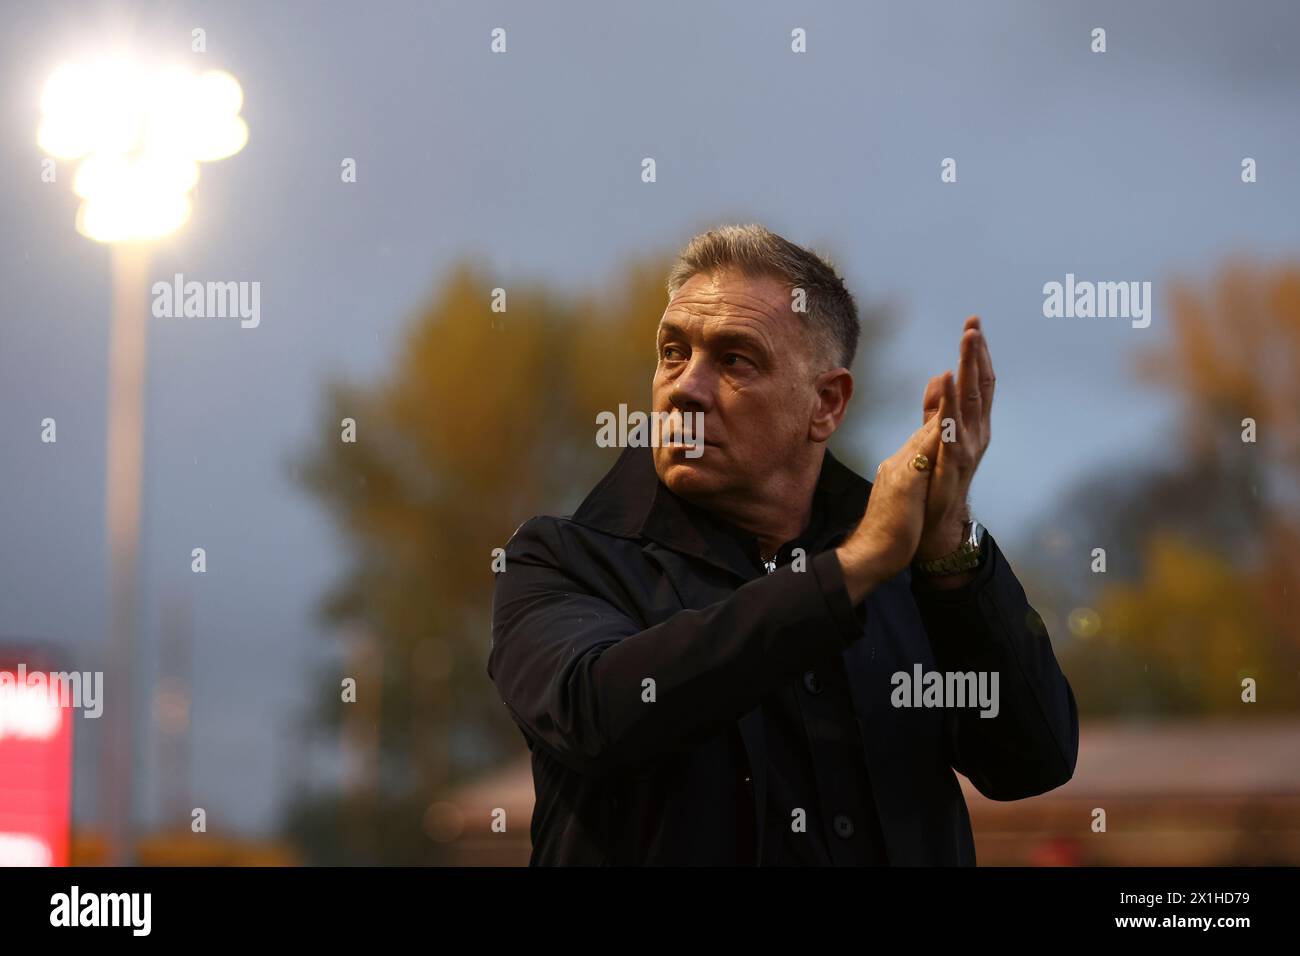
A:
[921, 462]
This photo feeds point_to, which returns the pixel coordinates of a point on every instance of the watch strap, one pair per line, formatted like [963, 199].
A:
[966, 557]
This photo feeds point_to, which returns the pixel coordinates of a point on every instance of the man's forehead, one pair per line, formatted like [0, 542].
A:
[732, 295]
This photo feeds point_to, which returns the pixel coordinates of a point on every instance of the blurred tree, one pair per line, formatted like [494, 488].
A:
[1202, 579]
[1235, 355]
[1181, 639]
[487, 419]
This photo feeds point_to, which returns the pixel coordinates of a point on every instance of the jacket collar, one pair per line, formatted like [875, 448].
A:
[631, 502]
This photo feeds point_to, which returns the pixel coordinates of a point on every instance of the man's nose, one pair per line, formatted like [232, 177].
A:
[692, 390]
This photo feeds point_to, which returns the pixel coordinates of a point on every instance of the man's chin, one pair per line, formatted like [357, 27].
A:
[686, 476]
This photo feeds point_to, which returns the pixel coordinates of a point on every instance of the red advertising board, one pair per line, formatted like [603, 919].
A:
[35, 768]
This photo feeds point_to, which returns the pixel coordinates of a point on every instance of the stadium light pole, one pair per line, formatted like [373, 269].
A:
[137, 134]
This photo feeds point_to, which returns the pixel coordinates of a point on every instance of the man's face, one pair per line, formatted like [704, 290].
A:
[732, 347]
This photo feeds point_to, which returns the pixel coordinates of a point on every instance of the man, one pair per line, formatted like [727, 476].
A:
[711, 660]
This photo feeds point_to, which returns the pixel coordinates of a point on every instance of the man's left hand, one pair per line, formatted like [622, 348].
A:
[968, 402]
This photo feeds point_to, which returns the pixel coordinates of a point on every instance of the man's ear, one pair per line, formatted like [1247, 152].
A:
[834, 389]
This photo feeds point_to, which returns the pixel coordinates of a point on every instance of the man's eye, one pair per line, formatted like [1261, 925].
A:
[671, 353]
[732, 359]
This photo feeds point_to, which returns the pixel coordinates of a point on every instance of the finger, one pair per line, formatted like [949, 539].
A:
[948, 407]
[927, 444]
[908, 448]
[948, 415]
[987, 381]
[933, 391]
[968, 379]
[922, 441]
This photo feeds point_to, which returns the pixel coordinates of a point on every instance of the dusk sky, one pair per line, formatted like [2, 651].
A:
[1122, 166]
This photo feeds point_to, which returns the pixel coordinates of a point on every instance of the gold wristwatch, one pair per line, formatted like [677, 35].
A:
[967, 557]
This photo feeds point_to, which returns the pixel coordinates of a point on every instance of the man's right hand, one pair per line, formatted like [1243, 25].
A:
[886, 539]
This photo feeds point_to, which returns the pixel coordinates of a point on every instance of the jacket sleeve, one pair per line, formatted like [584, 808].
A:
[987, 624]
[572, 666]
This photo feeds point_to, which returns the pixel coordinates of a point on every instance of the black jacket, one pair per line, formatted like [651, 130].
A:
[640, 594]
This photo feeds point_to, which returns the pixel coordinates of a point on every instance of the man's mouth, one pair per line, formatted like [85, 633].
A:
[680, 431]
[690, 451]
[674, 441]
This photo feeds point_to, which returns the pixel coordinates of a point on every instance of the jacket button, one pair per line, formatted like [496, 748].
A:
[811, 682]
[843, 825]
